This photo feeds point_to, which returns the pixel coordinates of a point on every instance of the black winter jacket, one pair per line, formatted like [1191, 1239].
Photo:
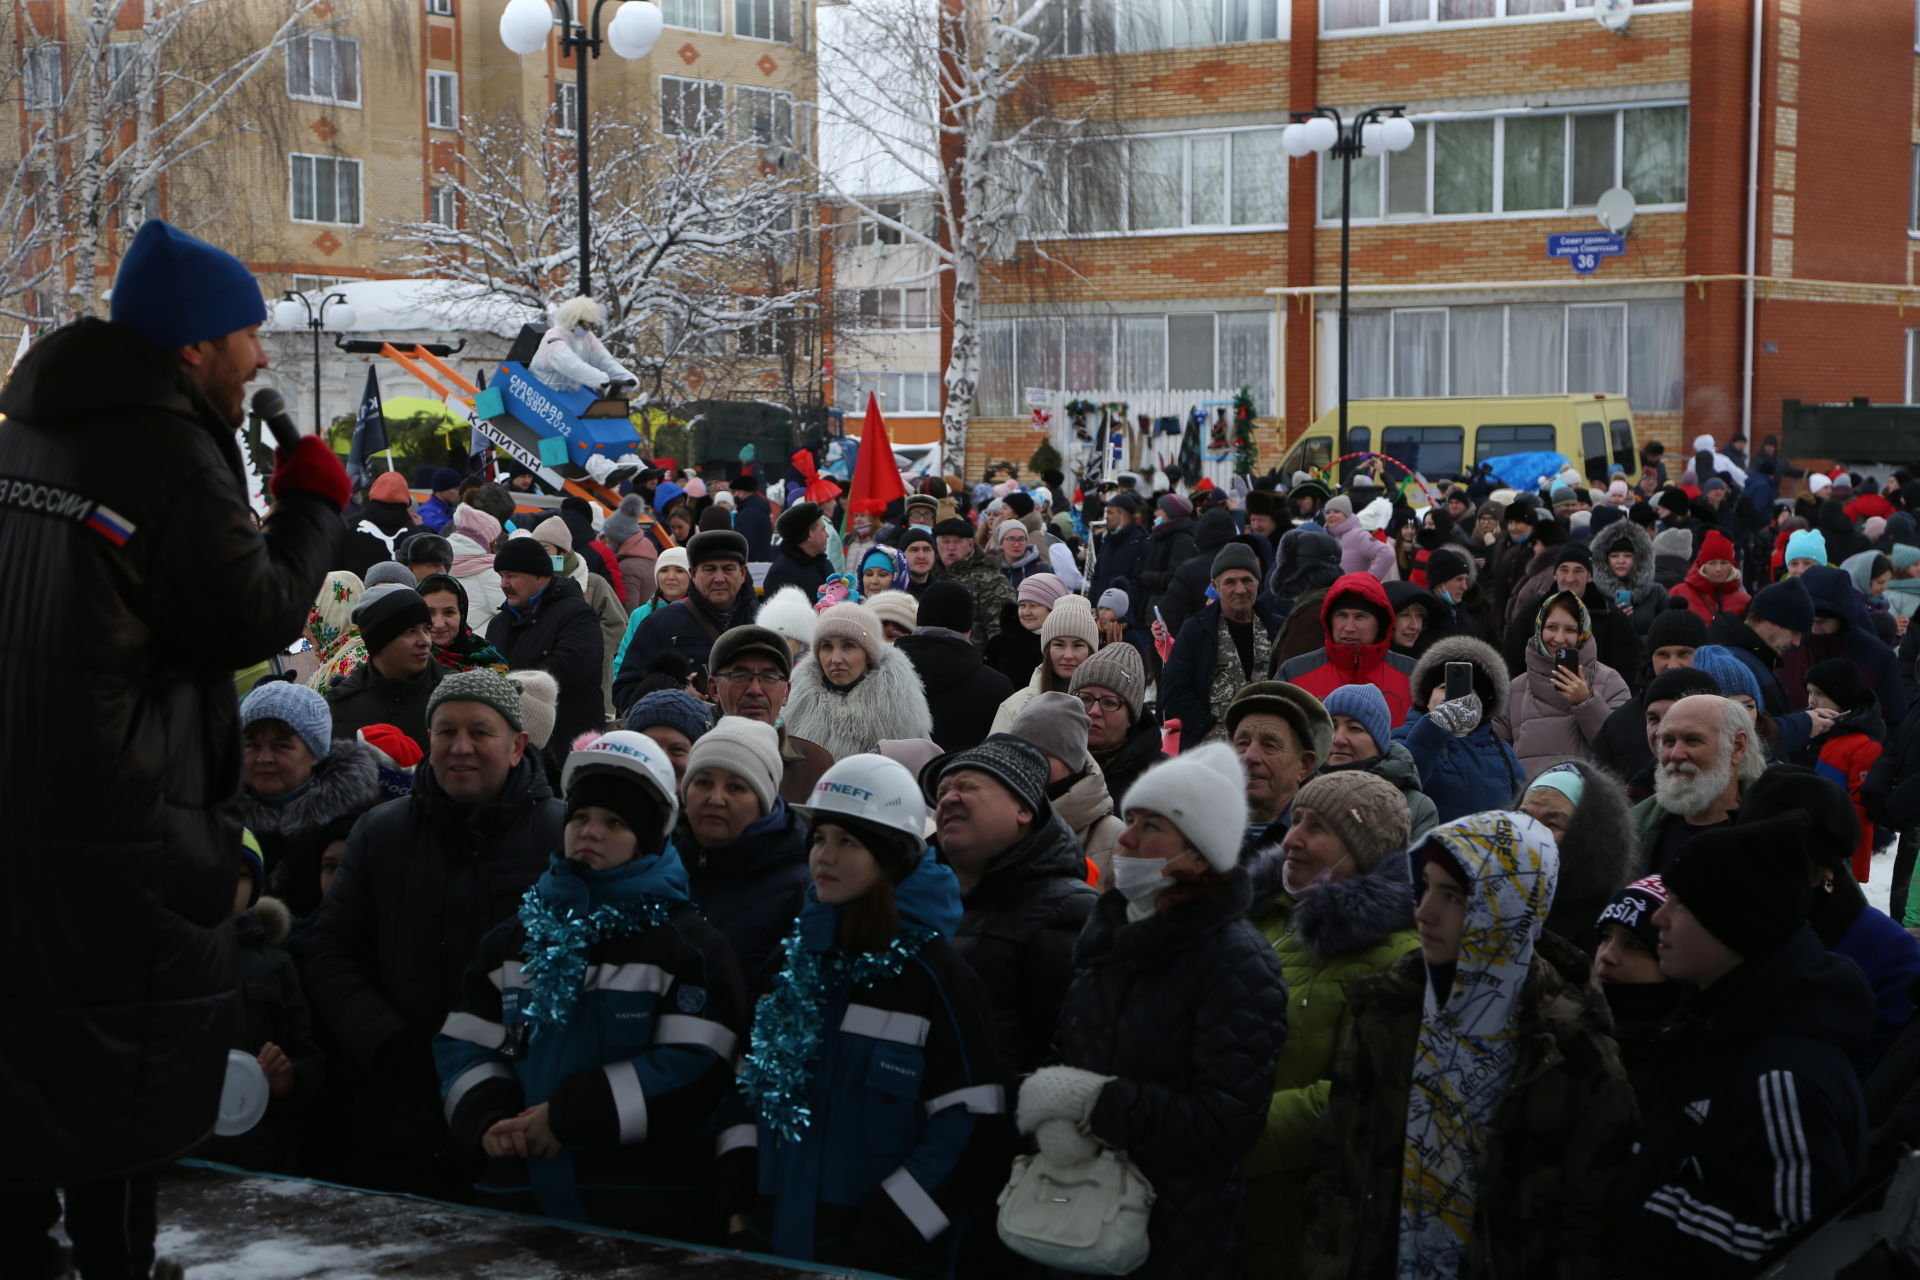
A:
[1137, 753]
[423, 880]
[1014, 652]
[134, 591]
[688, 627]
[1122, 554]
[561, 636]
[366, 697]
[1757, 1126]
[963, 692]
[1172, 545]
[1187, 590]
[1188, 1011]
[1017, 931]
[753, 520]
[753, 890]
[371, 535]
[793, 568]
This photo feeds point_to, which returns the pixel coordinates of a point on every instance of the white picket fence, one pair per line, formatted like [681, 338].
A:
[1138, 448]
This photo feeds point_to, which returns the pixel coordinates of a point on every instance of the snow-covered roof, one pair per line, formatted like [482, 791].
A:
[433, 306]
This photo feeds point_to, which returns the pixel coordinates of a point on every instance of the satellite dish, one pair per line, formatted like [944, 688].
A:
[1614, 15]
[1615, 209]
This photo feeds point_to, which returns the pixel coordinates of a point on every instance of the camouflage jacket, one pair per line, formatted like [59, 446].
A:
[1564, 1128]
[989, 589]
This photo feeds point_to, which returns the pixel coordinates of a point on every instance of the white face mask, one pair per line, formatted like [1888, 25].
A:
[1138, 878]
[1323, 876]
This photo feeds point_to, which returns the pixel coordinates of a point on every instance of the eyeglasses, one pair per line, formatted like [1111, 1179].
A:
[770, 679]
[1107, 704]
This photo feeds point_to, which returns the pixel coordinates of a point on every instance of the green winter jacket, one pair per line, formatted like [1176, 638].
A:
[1565, 1126]
[1346, 929]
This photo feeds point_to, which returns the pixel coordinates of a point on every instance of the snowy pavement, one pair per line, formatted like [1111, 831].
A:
[230, 1226]
[1880, 877]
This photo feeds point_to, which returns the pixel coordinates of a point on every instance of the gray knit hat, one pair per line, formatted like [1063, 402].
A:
[854, 622]
[745, 748]
[299, 708]
[1071, 616]
[1057, 724]
[896, 607]
[1018, 766]
[390, 572]
[1116, 667]
[1235, 555]
[482, 684]
[1367, 812]
[539, 703]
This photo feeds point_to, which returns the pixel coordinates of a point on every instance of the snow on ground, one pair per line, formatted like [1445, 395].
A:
[1880, 877]
[229, 1226]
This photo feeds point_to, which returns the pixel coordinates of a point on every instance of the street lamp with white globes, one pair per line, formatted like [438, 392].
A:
[1373, 132]
[296, 309]
[635, 28]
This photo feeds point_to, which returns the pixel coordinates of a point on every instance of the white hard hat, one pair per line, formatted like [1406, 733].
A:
[872, 789]
[633, 756]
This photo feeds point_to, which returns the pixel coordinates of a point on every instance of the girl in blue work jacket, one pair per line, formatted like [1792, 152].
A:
[878, 1114]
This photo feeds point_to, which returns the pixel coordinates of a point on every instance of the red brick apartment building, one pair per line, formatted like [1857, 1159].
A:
[1191, 252]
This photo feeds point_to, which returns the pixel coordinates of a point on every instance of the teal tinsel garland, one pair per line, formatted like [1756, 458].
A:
[557, 941]
[778, 1070]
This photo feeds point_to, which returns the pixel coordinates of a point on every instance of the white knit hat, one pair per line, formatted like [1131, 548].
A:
[853, 622]
[1204, 793]
[539, 704]
[789, 614]
[896, 607]
[1374, 516]
[672, 558]
[745, 748]
[1071, 616]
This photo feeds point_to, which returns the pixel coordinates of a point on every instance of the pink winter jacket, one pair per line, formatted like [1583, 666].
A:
[1361, 552]
[1542, 727]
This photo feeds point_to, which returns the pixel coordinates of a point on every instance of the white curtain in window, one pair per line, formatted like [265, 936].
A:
[1259, 178]
[1463, 166]
[1089, 353]
[994, 391]
[1655, 155]
[1420, 353]
[1656, 355]
[1143, 353]
[1369, 341]
[1366, 186]
[1593, 153]
[1476, 350]
[1190, 353]
[1345, 15]
[1094, 198]
[1536, 350]
[1246, 347]
[1409, 10]
[1155, 176]
[1463, 10]
[1534, 169]
[1207, 188]
[1596, 347]
[1407, 176]
[1039, 354]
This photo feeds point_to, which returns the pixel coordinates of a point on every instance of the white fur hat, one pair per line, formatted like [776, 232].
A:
[1204, 793]
[789, 614]
[1374, 516]
[539, 704]
[575, 312]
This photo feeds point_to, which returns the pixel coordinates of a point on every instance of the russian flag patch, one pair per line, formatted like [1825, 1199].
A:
[110, 524]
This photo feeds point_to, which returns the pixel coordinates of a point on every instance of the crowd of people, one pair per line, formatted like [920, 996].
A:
[1417, 880]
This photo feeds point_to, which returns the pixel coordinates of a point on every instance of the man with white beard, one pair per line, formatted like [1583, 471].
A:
[1705, 756]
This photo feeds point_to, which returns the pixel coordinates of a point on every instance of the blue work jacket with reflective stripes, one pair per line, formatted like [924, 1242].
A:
[909, 1114]
[632, 1079]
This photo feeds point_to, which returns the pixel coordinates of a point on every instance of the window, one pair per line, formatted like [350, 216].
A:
[1496, 440]
[1524, 163]
[566, 108]
[899, 392]
[1513, 350]
[1593, 447]
[766, 336]
[765, 115]
[443, 100]
[894, 308]
[694, 15]
[691, 107]
[1433, 451]
[324, 189]
[1129, 26]
[915, 215]
[123, 70]
[324, 69]
[1164, 182]
[1191, 352]
[763, 20]
[443, 206]
[1362, 15]
[44, 84]
[691, 334]
[444, 8]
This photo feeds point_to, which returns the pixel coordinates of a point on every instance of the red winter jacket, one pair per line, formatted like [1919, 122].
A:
[616, 578]
[1707, 598]
[1334, 665]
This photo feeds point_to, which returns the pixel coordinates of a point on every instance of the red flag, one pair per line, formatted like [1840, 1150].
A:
[876, 476]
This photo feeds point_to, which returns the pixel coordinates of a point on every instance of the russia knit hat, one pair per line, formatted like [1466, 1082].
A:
[897, 607]
[1677, 683]
[539, 703]
[1073, 616]
[1235, 555]
[1118, 668]
[1303, 712]
[1676, 626]
[1747, 884]
[1807, 544]
[1633, 908]
[947, 604]
[1368, 706]
[1041, 588]
[736, 642]
[174, 289]
[554, 531]
[1784, 604]
[1729, 671]
[855, 622]
[1014, 763]
[1366, 811]
[716, 545]
[747, 749]
[1204, 793]
[523, 555]
[672, 709]
[386, 612]
[301, 709]
[1057, 724]
[481, 684]
[797, 521]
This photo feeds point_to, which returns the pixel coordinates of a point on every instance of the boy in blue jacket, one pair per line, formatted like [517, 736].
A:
[595, 1036]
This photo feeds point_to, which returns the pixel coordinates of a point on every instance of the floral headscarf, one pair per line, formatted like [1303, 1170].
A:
[330, 630]
[883, 556]
[1580, 615]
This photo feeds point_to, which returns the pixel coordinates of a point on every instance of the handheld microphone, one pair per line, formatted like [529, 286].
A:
[271, 408]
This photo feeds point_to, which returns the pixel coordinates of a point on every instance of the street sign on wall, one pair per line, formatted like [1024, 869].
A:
[1585, 250]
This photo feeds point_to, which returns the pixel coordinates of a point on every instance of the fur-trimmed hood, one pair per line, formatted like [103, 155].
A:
[1489, 677]
[347, 781]
[888, 702]
[1601, 853]
[1628, 536]
[1341, 917]
[267, 923]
